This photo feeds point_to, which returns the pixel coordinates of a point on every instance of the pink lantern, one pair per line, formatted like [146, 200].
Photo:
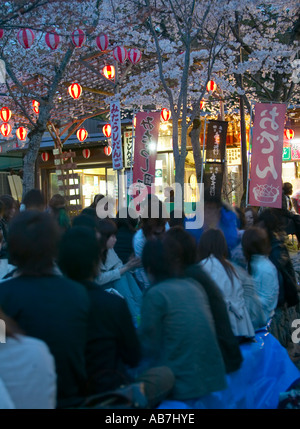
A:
[45, 156]
[5, 114]
[75, 90]
[165, 114]
[82, 134]
[107, 130]
[107, 150]
[134, 56]
[21, 133]
[120, 54]
[102, 41]
[1, 33]
[78, 38]
[86, 153]
[25, 37]
[52, 40]
[35, 106]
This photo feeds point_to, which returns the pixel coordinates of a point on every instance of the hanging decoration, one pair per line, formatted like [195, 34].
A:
[202, 104]
[1, 33]
[82, 134]
[5, 129]
[86, 153]
[75, 90]
[35, 106]
[134, 56]
[102, 41]
[108, 71]
[211, 86]
[289, 133]
[52, 40]
[107, 130]
[78, 38]
[107, 150]
[165, 114]
[5, 114]
[21, 133]
[25, 37]
[120, 54]
[45, 156]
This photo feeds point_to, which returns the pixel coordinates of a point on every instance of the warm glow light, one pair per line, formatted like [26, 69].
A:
[211, 86]
[289, 134]
[107, 150]
[35, 106]
[5, 114]
[165, 114]
[202, 104]
[86, 153]
[75, 90]
[109, 72]
[45, 156]
[82, 134]
[21, 133]
[107, 130]
[5, 130]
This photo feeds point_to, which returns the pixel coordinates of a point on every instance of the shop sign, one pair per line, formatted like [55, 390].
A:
[234, 156]
[286, 154]
[295, 152]
[116, 142]
[128, 149]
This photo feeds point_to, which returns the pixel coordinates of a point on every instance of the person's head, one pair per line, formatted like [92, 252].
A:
[186, 241]
[250, 217]
[126, 218]
[57, 202]
[154, 218]
[79, 254]
[34, 200]
[270, 221]
[10, 207]
[287, 188]
[32, 242]
[108, 230]
[89, 222]
[176, 218]
[255, 242]
[97, 198]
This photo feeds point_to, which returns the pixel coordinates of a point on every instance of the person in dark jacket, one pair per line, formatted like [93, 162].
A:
[126, 229]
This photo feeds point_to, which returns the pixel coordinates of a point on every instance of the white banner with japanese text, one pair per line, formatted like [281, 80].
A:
[116, 140]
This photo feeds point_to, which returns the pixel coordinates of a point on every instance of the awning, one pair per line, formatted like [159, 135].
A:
[11, 162]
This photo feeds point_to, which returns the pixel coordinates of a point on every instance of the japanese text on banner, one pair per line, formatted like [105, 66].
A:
[116, 142]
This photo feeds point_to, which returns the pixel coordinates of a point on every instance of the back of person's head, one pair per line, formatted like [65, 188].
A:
[10, 206]
[57, 202]
[212, 242]
[154, 217]
[255, 241]
[34, 200]
[79, 254]
[86, 220]
[126, 218]
[32, 242]
[187, 242]
[89, 211]
[287, 188]
[271, 221]
[97, 198]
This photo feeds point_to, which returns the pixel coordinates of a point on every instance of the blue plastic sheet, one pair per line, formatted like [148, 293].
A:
[267, 370]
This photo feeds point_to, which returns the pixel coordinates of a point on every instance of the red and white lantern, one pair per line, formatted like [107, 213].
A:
[102, 41]
[134, 56]
[75, 90]
[45, 156]
[86, 153]
[78, 38]
[165, 114]
[25, 37]
[1, 33]
[107, 150]
[52, 40]
[289, 134]
[202, 104]
[5, 114]
[120, 54]
[35, 106]
[21, 133]
[5, 130]
[107, 130]
[109, 72]
[211, 86]
[82, 134]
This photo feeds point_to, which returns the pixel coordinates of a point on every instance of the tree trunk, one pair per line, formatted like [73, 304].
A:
[195, 140]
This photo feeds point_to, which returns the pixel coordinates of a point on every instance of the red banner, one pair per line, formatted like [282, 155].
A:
[145, 147]
[266, 160]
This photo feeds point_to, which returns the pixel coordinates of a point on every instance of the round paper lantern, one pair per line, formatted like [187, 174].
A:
[86, 153]
[107, 130]
[5, 130]
[102, 41]
[1, 33]
[5, 114]
[52, 40]
[25, 37]
[21, 133]
[134, 56]
[120, 54]
[165, 114]
[107, 150]
[35, 106]
[211, 86]
[289, 134]
[82, 134]
[109, 72]
[45, 156]
[202, 104]
[75, 90]
[78, 38]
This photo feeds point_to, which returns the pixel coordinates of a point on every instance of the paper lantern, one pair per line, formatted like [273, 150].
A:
[52, 40]
[107, 130]
[35, 106]
[25, 37]
[78, 38]
[82, 134]
[1, 33]
[165, 114]
[45, 156]
[5, 114]
[86, 153]
[21, 133]
[211, 86]
[5, 130]
[289, 134]
[120, 54]
[102, 41]
[109, 72]
[75, 90]
[202, 104]
[107, 150]
[134, 56]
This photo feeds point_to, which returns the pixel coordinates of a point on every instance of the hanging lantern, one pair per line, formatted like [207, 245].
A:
[1, 33]
[134, 56]
[165, 114]
[86, 153]
[109, 72]
[75, 90]
[78, 38]
[120, 54]
[202, 104]
[289, 133]
[107, 130]
[107, 150]
[102, 41]
[82, 134]
[211, 86]
[5, 129]
[52, 40]
[21, 133]
[45, 156]
[5, 114]
[25, 37]
[35, 106]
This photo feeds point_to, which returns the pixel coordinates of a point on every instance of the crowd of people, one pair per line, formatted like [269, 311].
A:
[93, 304]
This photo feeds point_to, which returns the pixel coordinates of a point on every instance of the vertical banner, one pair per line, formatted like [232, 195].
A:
[266, 160]
[116, 141]
[128, 149]
[146, 139]
[213, 178]
[216, 140]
